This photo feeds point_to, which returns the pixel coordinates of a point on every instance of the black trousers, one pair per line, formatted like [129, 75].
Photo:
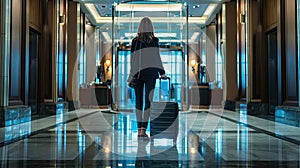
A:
[149, 85]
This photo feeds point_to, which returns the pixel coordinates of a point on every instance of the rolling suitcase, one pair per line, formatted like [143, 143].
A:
[164, 117]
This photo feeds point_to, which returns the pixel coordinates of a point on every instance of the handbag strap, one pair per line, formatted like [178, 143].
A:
[140, 60]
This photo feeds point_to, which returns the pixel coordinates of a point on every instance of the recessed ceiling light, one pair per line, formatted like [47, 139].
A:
[196, 6]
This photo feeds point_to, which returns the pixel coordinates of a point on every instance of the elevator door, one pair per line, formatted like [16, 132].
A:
[172, 62]
[273, 74]
[33, 71]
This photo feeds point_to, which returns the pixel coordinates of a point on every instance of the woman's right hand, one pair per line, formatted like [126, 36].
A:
[163, 76]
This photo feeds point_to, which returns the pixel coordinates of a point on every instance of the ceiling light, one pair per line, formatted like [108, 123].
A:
[209, 10]
[198, 20]
[120, 20]
[148, 7]
[196, 6]
[106, 36]
[93, 10]
[194, 36]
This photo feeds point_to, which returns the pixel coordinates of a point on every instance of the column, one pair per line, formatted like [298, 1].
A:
[73, 53]
[230, 57]
[5, 19]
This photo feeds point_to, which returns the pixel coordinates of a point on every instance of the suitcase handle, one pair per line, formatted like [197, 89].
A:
[165, 78]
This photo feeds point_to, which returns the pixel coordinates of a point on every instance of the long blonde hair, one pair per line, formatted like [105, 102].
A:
[145, 30]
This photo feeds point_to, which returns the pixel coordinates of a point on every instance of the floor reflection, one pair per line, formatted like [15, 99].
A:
[122, 147]
[218, 143]
[110, 140]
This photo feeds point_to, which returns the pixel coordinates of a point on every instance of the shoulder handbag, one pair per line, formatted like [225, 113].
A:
[133, 81]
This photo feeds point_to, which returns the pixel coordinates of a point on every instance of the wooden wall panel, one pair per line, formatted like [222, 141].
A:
[73, 51]
[270, 14]
[211, 53]
[35, 14]
[45, 61]
[290, 97]
[49, 49]
[108, 55]
[15, 62]
[255, 49]
[230, 51]
[194, 54]
[90, 53]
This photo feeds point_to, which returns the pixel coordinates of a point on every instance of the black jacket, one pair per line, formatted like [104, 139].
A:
[145, 60]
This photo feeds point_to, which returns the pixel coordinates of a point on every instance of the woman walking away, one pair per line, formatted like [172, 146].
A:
[146, 66]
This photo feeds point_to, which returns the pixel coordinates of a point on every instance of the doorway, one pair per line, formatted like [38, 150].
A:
[33, 69]
[272, 71]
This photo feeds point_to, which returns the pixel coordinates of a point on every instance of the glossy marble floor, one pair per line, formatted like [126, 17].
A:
[94, 138]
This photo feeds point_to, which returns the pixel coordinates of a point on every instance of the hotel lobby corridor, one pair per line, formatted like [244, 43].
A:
[94, 138]
[231, 71]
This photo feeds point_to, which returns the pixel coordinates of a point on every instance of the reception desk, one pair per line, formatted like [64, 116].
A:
[95, 97]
